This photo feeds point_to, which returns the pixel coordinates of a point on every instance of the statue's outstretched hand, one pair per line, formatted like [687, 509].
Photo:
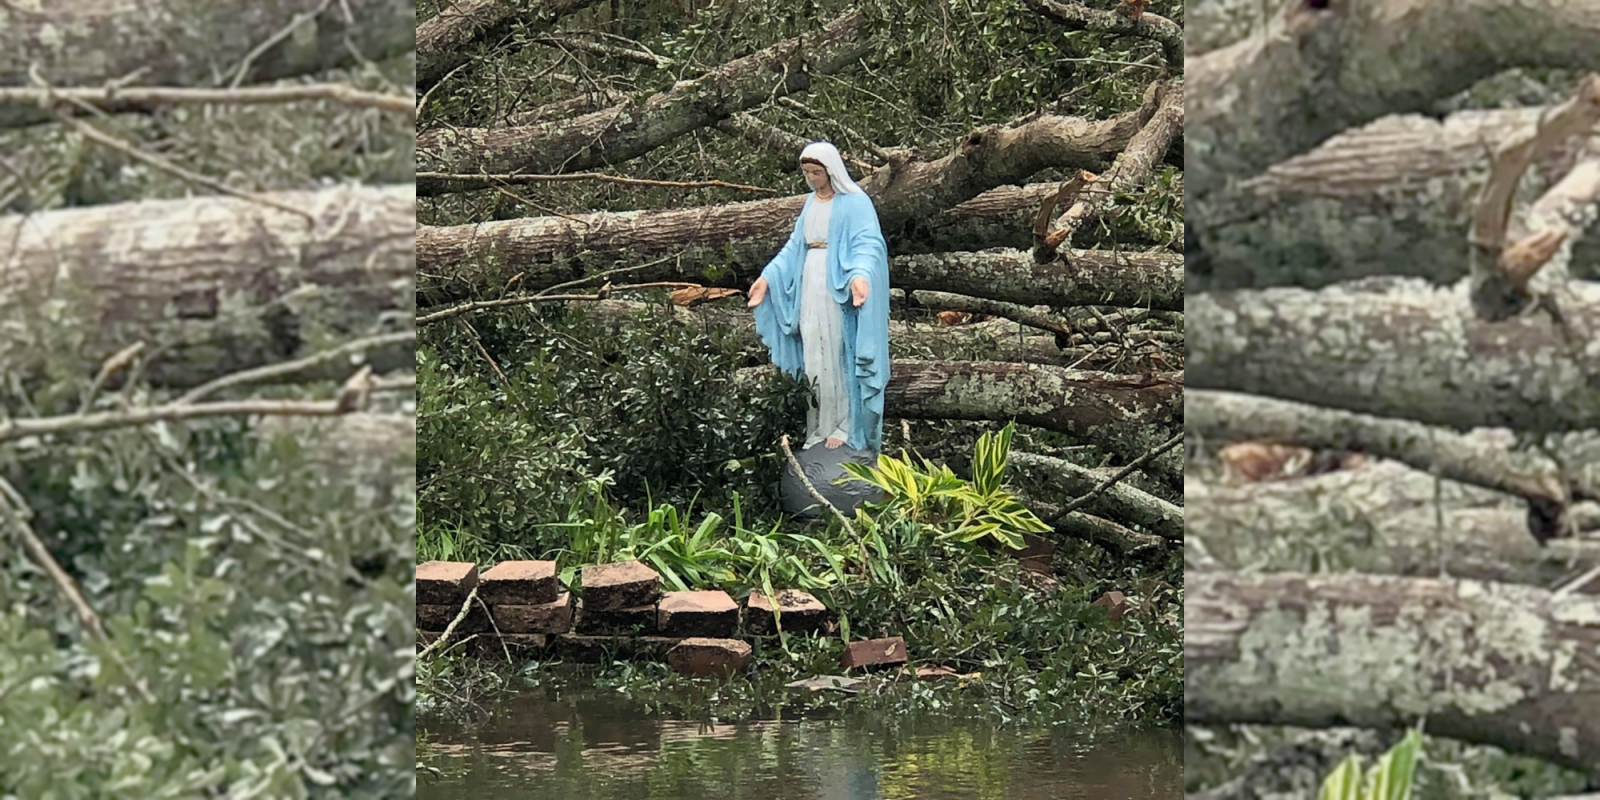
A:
[858, 290]
[758, 292]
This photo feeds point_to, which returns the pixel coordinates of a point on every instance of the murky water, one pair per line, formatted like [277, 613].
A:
[603, 748]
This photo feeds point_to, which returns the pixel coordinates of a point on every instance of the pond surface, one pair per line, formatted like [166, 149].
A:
[605, 748]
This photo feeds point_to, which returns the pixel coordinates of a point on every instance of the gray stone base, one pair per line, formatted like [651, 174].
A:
[822, 466]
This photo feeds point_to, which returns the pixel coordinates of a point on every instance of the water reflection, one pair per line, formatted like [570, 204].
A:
[603, 748]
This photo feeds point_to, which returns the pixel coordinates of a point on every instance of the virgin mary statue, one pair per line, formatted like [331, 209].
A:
[822, 306]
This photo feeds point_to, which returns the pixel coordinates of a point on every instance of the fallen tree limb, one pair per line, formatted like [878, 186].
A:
[1318, 69]
[1107, 533]
[14, 429]
[1382, 518]
[749, 233]
[1402, 348]
[212, 285]
[1507, 254]
[1392, 197]
[628, 130]
[1119, 502]
[146, 99]
[185, 42]
[1475, 458]
[1131, 169]
[446, 40]
[997, 340]
[1488, 663]
[1159, 29]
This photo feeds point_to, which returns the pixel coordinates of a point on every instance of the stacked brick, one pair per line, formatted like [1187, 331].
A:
[622, 614]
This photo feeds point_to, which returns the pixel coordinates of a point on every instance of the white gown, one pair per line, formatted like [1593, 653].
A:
[822, 336]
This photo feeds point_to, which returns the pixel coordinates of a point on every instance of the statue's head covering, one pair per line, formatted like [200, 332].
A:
[828, 156]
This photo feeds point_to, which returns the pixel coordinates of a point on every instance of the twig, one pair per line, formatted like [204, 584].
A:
[881, 154]
[484, 351]
[603, 294]
[299, 19]
[117, 361]
[794, 464]
[171, 412]
[17, 514]
[451, 628]
[1111, 481]
[275, 371]
[130, 150]
[641, 56]
[1576, 583]
[146, 98]
[479, 181]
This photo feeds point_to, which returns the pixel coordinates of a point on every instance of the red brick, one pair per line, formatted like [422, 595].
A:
[520, 646]
[443, 583]
[875, 653]
[437, 618]
[801, 613]
[1116, 604]
[702, 656]
[519, 583]
[625, 584]
[697, 614]
[639, 620]
[553, 617]
[597, 649]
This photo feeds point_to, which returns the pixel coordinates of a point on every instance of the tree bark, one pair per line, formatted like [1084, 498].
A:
[184, 42]
[445, 41]
[1381, 518]
[1000, 340]
[212, 285]
[1496, 664]
[750, 233]
[1121, 414]
[627, 131]
[1401, 348]
[1076, 16]
[1479, 458]
[1317, 71]
[1393, 197]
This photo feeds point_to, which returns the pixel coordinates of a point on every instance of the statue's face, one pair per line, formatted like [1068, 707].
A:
[816, 176]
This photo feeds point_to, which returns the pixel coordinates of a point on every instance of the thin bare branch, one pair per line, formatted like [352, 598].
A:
[11, 430]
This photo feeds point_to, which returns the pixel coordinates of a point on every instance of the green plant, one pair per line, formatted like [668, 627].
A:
[1389, 779]
[983, 506]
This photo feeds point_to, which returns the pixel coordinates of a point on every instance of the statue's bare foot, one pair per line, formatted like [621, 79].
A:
[833, 442]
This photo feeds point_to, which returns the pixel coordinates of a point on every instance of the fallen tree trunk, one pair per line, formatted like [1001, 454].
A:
[1393, 197]
[1403, 348]
[1479, 458]
[750, 233]
[1124, 415]
[184, 42]
[627, 131]
[445, 41]
[1317, 70]
[1493, 664]
[211, 285]
[1383, 518]
[1000, 340]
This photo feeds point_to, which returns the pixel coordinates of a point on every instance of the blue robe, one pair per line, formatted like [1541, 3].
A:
[855, 248]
